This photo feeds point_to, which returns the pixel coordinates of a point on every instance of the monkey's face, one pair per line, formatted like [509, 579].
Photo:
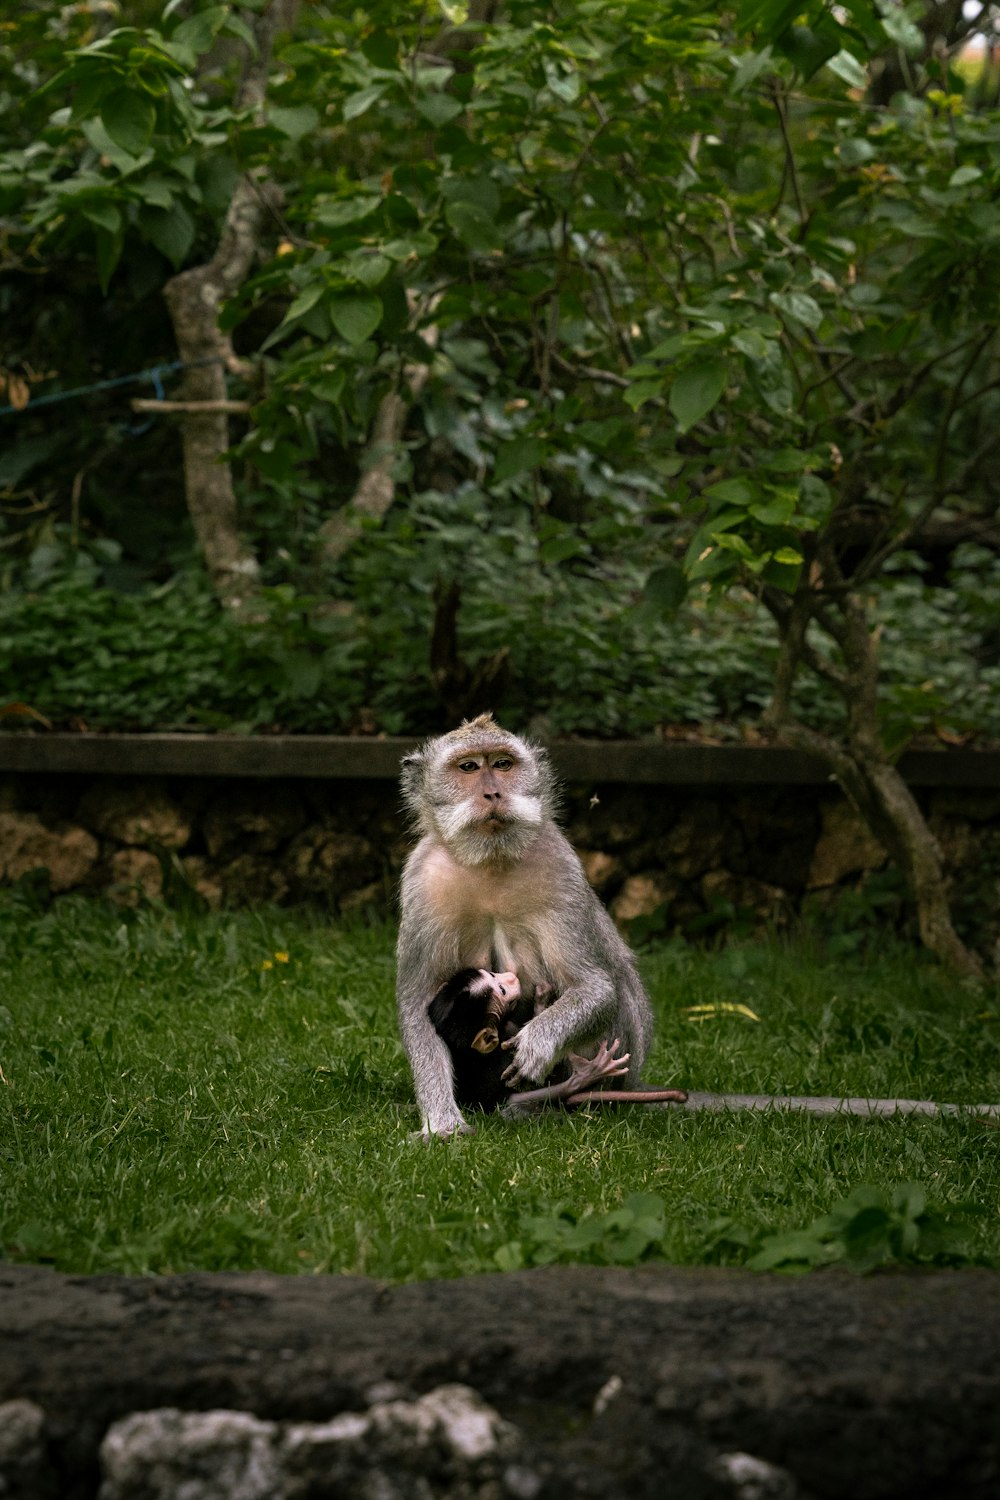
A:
[483, 792]
[485, 800]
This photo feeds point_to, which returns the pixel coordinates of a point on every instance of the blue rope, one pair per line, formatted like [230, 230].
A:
[155, 375]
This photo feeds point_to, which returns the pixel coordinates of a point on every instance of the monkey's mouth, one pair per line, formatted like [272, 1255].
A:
[494, 821]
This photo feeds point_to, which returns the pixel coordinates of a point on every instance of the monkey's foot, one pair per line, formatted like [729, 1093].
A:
[606, 1063]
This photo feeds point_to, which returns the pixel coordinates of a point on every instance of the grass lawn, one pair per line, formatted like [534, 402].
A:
[228, 1091]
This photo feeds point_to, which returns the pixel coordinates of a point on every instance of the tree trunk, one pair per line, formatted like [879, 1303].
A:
[194, 299]
[858, 761]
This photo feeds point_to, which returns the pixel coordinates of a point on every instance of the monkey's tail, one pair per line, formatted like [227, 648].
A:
[627, 1096]
[821, 1106]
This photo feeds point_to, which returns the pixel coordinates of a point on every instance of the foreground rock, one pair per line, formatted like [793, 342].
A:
[560, 1382]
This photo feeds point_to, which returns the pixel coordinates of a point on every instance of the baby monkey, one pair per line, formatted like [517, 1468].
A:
[477, 1014]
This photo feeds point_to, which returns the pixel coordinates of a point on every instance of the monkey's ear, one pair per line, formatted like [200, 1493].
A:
[486, 1040]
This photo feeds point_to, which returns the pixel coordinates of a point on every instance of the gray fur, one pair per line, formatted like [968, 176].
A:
[517, 899]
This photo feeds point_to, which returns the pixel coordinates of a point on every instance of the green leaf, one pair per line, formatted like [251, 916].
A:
[666, 588]
[330, 387]
[517, 457]
[305, 301]
[558, 549]
[481, 191]
[473, 227]
[963, 176]
[296, 121]
[562, 79]
[129, 118]
[751, 65]
[774, 512]
[849, 70]
[156, 191]
[788, 556]
[696, 390]
[368, 268]
[901, 29]
[439, 109]
[420, 243]
[732, 492]
[809, 47]
[359, 103]
[381, 49]
[751, 343]
[356, 318]
[642, 391]
[171, 230]
[106, 215]
[335, 212]
[109, 249]
[198, 33]
[799, 306]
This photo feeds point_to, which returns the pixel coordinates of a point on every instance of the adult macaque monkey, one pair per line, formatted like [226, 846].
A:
[493, 884]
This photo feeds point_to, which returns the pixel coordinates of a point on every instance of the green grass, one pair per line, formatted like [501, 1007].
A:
[171, 1102]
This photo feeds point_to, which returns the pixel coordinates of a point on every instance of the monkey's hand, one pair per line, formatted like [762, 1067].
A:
[533, 1057]
[442, 1128]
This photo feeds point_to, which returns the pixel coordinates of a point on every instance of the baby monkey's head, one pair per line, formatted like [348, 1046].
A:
[469, 1007]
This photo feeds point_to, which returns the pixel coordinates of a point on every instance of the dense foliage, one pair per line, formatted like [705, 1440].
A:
[671, 301]
[167, 655]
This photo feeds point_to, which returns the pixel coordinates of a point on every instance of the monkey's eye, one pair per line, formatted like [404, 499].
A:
[502, 990]
[468, 765]
[502, 763]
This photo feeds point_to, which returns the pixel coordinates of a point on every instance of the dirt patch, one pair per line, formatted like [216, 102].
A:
[618, 1382]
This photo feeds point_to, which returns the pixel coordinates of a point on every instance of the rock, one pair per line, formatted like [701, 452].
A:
[641, 895]
[768, 903]
[750, 1478]
[200, 875]
[135, 812]
[373, 898]
[134, 873]
[602, 870]
[257, 818]
[326, 863]
[206, 1455]
[779, 835]
[250, 879]
[846, 846]
[67, 852]
[25, 1471]
[449, 1438]
[697, 842]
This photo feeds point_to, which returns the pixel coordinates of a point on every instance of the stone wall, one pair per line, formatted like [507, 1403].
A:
[680, 858]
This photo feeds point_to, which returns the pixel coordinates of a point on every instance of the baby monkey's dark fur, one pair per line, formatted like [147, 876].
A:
[477, 1014]
[474, 1022]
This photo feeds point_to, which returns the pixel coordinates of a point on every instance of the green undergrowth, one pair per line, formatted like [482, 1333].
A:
[228, 1091]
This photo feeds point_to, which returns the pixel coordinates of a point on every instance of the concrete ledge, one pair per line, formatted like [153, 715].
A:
[620, 1382]
[334, 757]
